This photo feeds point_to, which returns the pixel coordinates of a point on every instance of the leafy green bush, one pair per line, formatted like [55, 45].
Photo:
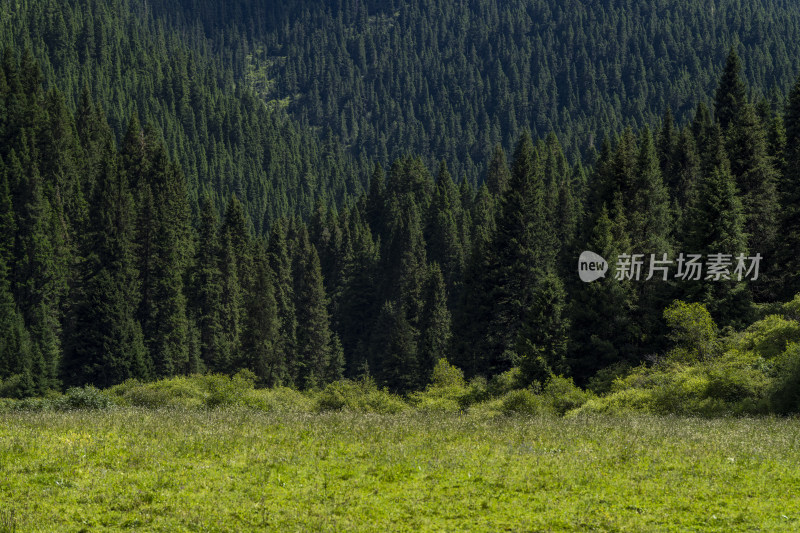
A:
[447, 391]
[222, 390]
[446, 375]
[504, 383]
[210, 390]
[603, 382]
[693, 331]
[618, 403]
[87, 397]
[361, 396]
[784, 391]
[280, 399]
[15, 386]
[523, 401]
[174, 392]
[562, 395]
[769, 337]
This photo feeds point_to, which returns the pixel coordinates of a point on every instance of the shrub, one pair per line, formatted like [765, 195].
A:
[784, 392]
[693, 331]
[563, 395]
[602, 382]
[770, 336]
[737, 377]
[15, 386]
[360, 396]
[619, 403]
[280, 399]
[222, 390]
[182, 391]
[446, 375]
[477, 391]
[504, 383]
[447, 391]
[87, 397]
[523, 401]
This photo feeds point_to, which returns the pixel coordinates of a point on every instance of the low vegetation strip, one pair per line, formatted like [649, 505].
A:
[234, 469]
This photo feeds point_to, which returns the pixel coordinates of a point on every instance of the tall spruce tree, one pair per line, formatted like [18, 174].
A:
[731, 94]
[525, 249]
[261, 325]
[105, 344]
[435, 324]
[716, 223]
[207, 280]
[314, 338]
[281, 266]
[790, 198]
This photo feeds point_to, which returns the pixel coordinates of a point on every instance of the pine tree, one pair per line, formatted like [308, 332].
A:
[261, 325]
[603, 314]
[376, 201]
[524, 248]
[474, 314]
[394, 349]
[17, 351]
[717, 226]
[358, 308]
[41, 278]
[314, 339]
[208, 288]
[541, 346]
[790, 196]
[106, 345]
[498, 177]
[442, 236]
[650, 219]
[435, 324]
[231, 306]
[281, 266]
[731, 94]
[163, 249]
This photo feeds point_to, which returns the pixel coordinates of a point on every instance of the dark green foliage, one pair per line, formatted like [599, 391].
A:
[260, 335]
[116, 261]
[106, 345]
[281, 267]
[207, 282]
[314, 338]
[450, 80]
[731, 95]
[790, 197]
[435, 323]
[524, 249]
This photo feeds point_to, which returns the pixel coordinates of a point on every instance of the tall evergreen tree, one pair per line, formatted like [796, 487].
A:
[261, 325]
[281, 266]
[314, 339]
[731, 94]
[717, 226]
[208, 289]
[105, 344]
[525, 250]
[443, 238]
[435, 324]
[790, 197]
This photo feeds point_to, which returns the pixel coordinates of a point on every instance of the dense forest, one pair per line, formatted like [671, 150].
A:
[449, 80]
[165, 210]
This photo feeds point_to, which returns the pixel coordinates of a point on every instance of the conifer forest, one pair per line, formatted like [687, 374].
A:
[325, 190]
[399, 265]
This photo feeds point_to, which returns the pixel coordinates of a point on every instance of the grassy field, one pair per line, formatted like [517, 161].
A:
[240, 470]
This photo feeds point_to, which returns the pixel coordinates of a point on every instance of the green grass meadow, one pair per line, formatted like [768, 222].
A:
[234, 469]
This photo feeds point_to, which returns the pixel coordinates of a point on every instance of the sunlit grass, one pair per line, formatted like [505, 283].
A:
[241, 470]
